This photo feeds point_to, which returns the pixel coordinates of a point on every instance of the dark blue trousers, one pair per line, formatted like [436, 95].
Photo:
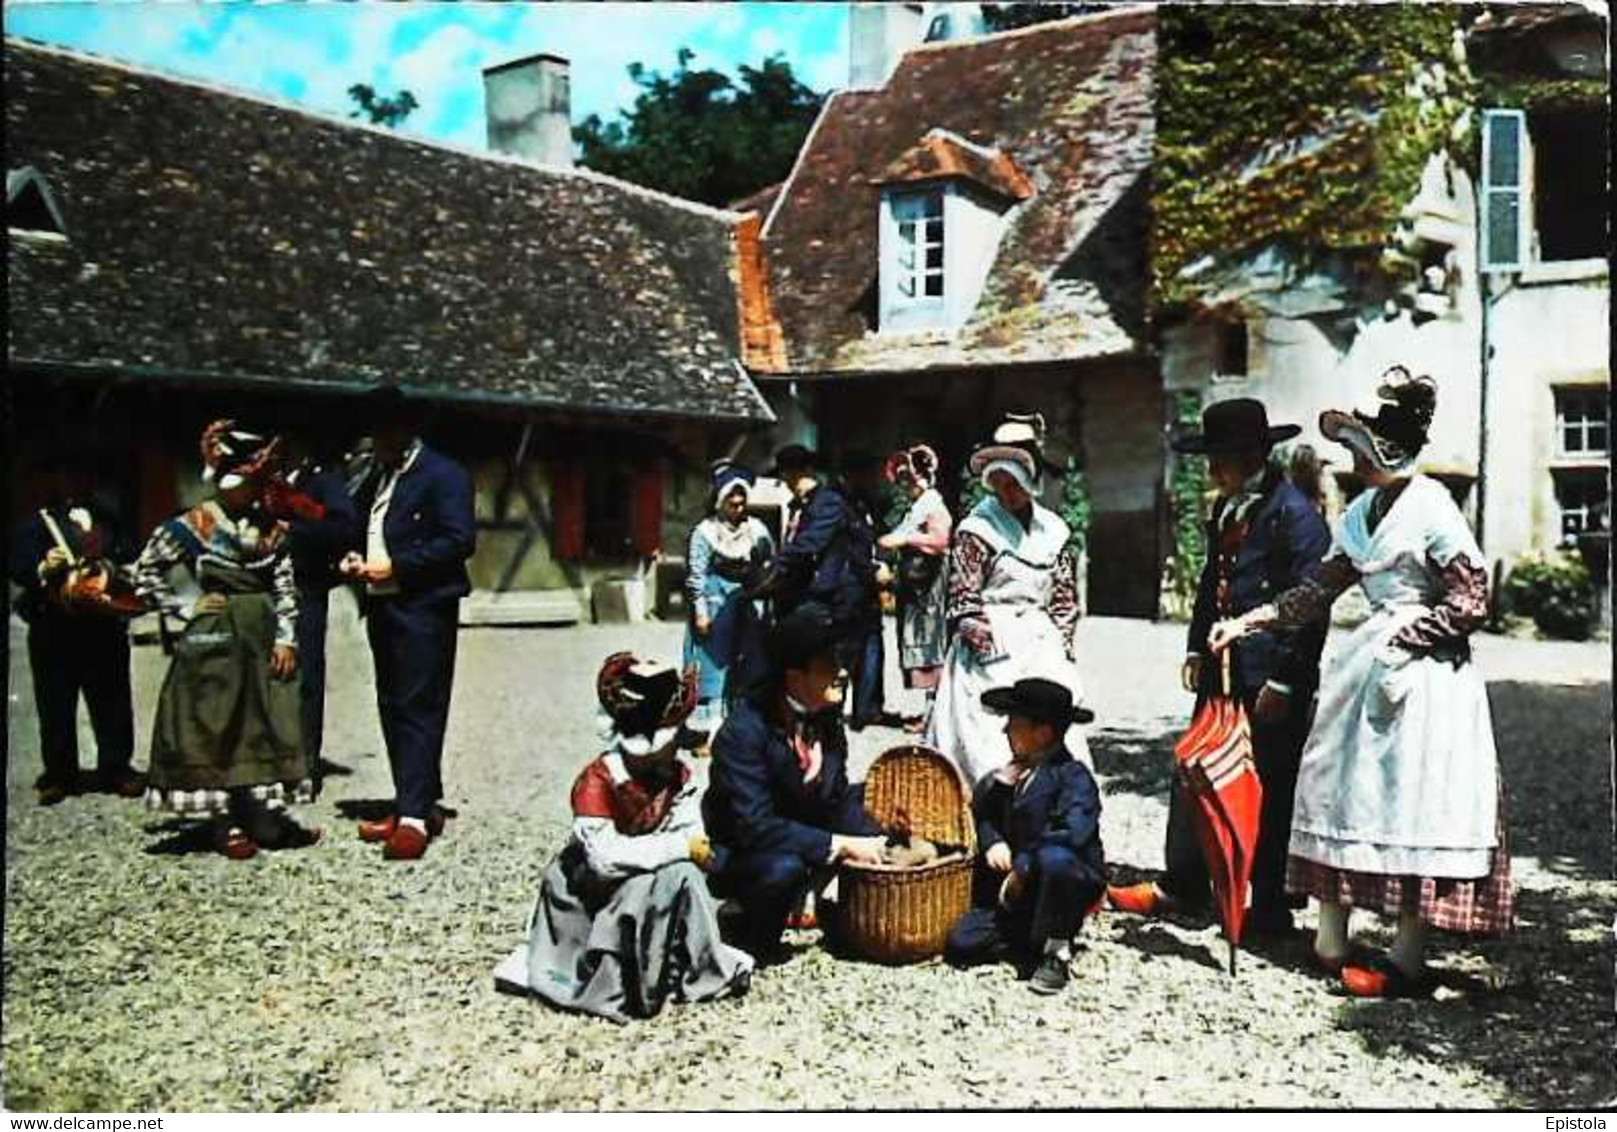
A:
[314, 605]
[767, 885]
[1058, 893]
[413, 645]
[867, 674]
[84, 655]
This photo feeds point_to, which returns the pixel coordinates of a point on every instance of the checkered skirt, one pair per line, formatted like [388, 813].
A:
[214, 803]
[1481, 906]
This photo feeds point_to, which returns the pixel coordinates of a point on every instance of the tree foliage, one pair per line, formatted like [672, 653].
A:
[381, 111]
[697, 135]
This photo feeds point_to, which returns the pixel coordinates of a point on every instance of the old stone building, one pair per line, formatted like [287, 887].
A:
[179, 252]
[967, 235]
[1316, 219]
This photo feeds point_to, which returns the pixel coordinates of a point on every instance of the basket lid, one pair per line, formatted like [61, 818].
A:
[923, 784]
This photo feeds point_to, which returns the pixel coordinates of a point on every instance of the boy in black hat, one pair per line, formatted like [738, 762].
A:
[1038, 828]
[779, 806]
[1264, 537]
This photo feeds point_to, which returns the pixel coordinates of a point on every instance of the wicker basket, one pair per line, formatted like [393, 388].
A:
[902, 915]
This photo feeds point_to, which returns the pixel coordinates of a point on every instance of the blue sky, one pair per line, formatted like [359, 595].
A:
[312, 52]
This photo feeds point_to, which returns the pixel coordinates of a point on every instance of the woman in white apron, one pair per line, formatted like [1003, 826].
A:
[1399, 806]
[1012, 609]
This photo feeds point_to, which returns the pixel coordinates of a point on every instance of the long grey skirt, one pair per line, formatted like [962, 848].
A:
[622, 950]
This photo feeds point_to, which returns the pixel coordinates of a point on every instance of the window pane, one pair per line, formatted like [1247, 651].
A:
[906, 232]
[1504, 150]
[932, 205]
[1503, 226]
[1571, 439]
[1598, 441]
[934, 258]
[906, 286]
[934, 285]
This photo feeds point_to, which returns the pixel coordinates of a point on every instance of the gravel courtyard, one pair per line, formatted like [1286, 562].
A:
[142, 972]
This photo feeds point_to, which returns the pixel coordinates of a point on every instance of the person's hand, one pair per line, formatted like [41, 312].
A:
[1190, 674]
[884, 575]
[702, 625]
[56, 561]
[1271, 706]
[701, 851]
[979, 638]
[283, 662]
[351, 565]
[212, 603]
[998, 857]
[1226, 633]
[892, 541]
[857, 850]
[374, 572]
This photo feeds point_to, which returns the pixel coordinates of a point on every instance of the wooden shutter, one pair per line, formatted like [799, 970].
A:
[1505, 171]
[567, 511]
[646, 521]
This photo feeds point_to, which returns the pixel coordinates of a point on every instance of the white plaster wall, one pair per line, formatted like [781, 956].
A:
[1544, 336]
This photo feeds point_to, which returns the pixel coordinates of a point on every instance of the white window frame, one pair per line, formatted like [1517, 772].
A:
[1520, 189]
[1585, 423]
[919, 232]
[1582, 515]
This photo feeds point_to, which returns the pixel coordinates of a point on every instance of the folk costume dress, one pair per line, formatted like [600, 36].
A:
[624, 922]
[225, 724]
[720, 557]
[1013, 606]
[1399, 807]
[923, 617]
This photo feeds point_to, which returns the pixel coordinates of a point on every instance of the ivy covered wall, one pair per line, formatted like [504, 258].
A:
[1303, 127]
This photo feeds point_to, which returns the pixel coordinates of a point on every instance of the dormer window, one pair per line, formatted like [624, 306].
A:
[918, 263]
[944, 204]
[30, 208]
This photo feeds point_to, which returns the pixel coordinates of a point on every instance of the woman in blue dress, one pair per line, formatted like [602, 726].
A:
[725, 625]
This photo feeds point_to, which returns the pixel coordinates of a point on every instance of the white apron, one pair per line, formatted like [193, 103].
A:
[1399, 776]
[1016, 595]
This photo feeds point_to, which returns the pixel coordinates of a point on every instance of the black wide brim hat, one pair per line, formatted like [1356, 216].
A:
[1040, 699]
[1240, 424]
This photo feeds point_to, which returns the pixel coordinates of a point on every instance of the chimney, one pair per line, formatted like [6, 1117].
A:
[529, 110]
[878, 34]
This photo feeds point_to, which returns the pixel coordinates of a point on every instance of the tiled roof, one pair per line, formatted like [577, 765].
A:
[214, 235]
[942, 155]
[1070, 103]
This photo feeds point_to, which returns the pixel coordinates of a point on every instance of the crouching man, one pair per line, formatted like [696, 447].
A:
[624, 921]
[1038, 826]
[779, 807]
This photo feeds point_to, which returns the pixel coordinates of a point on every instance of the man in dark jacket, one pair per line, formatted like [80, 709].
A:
[420, 531]
[1264, 537]
[72, 652]
[829, 559]
[1038, 829]
[779, 806]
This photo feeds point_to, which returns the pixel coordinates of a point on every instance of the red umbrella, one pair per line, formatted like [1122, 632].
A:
[1220, 781]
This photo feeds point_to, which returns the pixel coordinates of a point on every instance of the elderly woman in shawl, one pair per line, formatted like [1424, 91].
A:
[226, 742]
[1012, 608]
[921, 541]
[624, 921]
[725, 551]
[1399, 805]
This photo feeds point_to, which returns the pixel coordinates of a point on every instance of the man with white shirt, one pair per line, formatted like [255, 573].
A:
[419, 529]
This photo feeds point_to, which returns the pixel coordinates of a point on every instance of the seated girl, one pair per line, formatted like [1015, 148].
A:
[624, 922]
